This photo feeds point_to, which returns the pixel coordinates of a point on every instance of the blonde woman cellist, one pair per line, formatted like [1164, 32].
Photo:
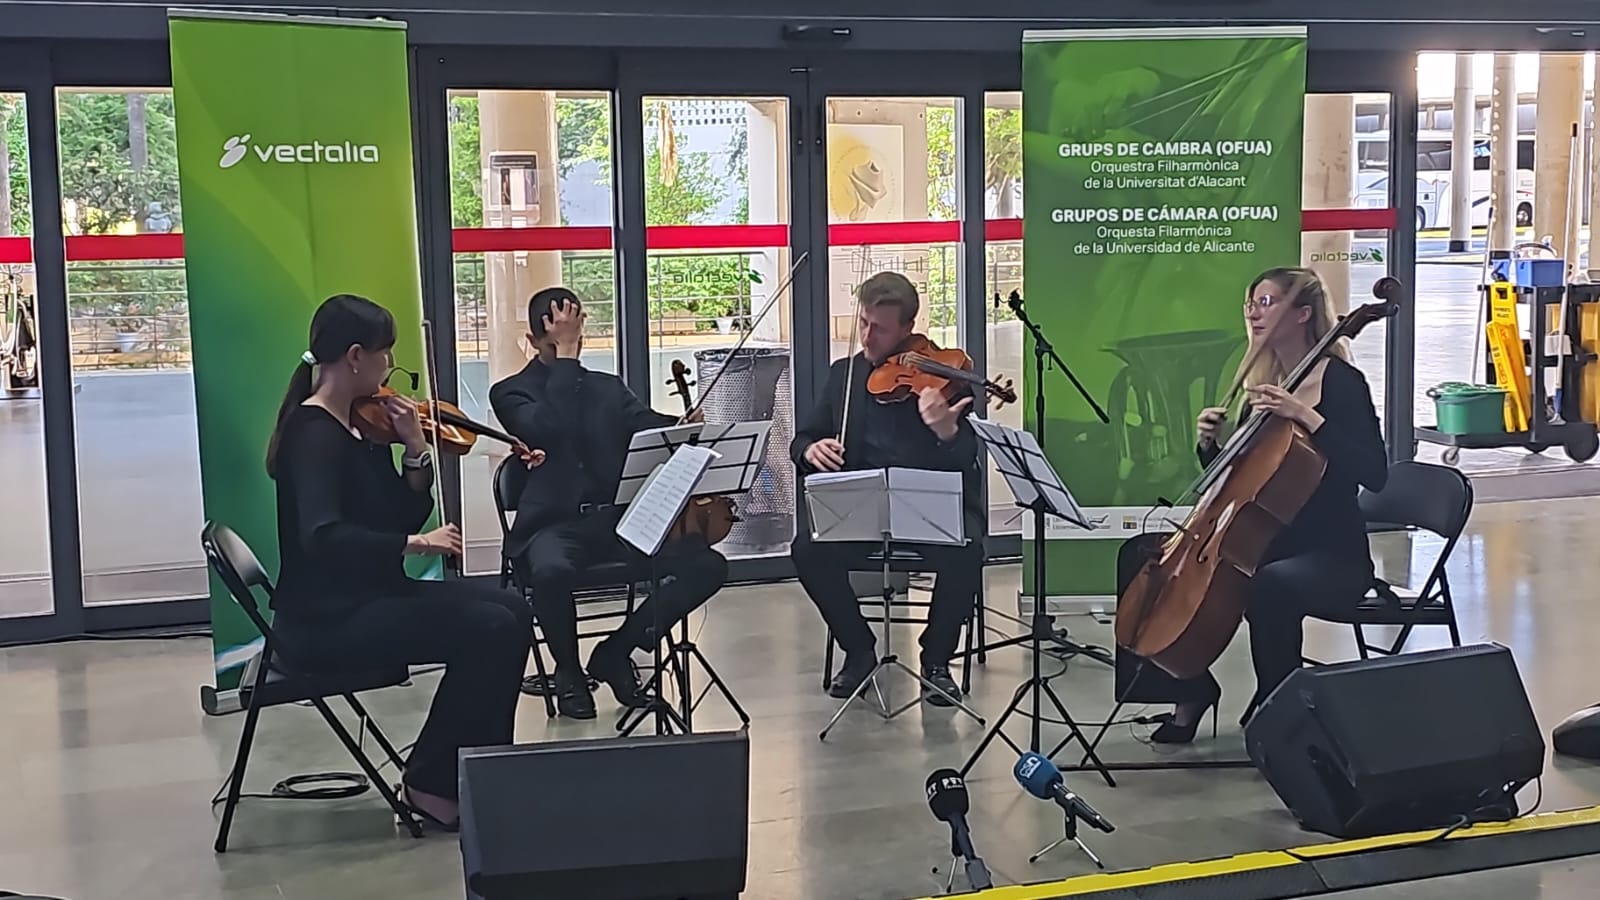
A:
[1321, 562]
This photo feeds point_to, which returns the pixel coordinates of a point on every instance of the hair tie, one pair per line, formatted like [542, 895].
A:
[308, 358]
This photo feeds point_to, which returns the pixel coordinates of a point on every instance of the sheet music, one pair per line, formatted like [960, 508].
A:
[662, 498]
[906, 505]
[741, 450]
[1027, 471]
[925, 506]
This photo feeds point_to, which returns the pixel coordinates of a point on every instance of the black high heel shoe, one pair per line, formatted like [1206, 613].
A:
[1171, 732]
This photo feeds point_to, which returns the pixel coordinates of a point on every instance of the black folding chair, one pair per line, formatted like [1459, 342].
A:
[278, 681]
[599, 584]
[1417, 497]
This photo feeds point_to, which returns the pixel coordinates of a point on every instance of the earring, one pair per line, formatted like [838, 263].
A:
[354, 370]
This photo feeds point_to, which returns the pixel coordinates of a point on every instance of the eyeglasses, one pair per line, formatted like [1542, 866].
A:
[1264, 302]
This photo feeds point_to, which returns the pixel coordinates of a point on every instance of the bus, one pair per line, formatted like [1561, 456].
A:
[1433, 176]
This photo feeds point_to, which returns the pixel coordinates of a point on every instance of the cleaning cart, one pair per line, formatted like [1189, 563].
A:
[1512, 408]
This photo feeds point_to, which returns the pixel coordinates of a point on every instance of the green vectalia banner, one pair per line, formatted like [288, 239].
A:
[294, 153]
[1163, 173]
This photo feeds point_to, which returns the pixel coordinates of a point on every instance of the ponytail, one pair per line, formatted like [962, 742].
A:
[299, 390]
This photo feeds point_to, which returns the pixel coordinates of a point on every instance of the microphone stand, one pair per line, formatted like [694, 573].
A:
[978, 877]
[1071, 825]
[1041, 628]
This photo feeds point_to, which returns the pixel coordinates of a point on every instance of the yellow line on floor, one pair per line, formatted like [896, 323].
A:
[1271, 859]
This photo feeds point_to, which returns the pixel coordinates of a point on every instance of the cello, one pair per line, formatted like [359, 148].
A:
[1183, 606]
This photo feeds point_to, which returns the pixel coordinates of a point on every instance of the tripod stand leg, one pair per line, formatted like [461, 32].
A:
[1076, 734]
[998, 730]
[950, 879]
[854, 696]
[929, 685]
[1046, 849]
[721, 686]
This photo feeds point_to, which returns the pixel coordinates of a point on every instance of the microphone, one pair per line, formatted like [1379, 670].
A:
[1040, 777]
[947, 798]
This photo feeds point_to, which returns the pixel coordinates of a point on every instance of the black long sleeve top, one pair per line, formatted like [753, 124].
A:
[881, 435]
[583, 421]
[344, 514]
[1352, 442]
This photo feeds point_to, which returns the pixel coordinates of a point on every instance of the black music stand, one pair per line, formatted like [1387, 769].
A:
[894, 506]
[1038, 488]
[736, 454]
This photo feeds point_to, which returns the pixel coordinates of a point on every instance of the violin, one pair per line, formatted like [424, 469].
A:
[921, 364]
[1183, 606]
[445, 426]
[711, 516]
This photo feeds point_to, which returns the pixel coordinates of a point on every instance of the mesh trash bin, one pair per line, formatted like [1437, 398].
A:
[755, 388]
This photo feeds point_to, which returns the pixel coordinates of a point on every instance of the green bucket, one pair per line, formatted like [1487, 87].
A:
[1461, 408]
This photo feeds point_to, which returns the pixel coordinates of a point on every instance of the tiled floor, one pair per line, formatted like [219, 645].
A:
[107, 762]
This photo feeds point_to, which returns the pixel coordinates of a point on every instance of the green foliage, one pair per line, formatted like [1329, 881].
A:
[14, 173]
[102, 188]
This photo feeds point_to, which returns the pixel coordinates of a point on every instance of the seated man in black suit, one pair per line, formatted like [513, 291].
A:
[919, 433]
[566, 519]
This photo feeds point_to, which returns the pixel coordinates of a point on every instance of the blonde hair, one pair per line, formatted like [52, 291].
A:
[1302, 289]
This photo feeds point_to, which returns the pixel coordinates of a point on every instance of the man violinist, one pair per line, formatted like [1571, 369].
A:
[924, 432]
[566, 516]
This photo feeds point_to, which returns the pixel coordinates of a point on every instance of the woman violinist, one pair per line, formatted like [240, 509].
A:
[1320, 563]
[346, 520]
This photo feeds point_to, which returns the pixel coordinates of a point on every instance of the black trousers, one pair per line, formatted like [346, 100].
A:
[690, 572]
[1283, 593]
[480, 633]
[824, 568]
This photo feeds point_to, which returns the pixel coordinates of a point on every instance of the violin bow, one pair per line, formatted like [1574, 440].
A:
[433, 438]
[772, 300]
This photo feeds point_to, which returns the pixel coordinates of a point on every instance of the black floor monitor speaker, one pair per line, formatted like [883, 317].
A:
[1399, 743]
[651, 818]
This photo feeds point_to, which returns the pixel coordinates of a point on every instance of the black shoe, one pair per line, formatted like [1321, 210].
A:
[940, 677]
[612, 664]
[573, 698]
[857, 668]
[1171, 732]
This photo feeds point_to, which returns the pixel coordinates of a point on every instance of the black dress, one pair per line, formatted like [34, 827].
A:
[1320, 563]
[344, 600]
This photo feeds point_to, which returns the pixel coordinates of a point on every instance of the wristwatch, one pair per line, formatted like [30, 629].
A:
[421, 461]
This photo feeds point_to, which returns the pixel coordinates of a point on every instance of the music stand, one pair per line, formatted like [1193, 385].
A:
[1037, 487]
[888, 506]
[737, 454]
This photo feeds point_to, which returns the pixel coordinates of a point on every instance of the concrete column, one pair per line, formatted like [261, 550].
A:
[1328, 182]
[517, 122]
[1560, 107]
[1594, 187]
[1503, 152]
[1461, 145]
[767, 129]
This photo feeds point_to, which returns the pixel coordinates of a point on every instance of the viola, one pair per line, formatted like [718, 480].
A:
[921, 364]
[711, 516]
[1183, 606]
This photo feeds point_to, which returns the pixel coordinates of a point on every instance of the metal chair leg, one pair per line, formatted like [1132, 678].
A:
[236, 777]
[377, 732]
[367, 767]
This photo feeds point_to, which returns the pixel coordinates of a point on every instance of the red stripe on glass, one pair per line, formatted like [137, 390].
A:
[1002, 230]
[103, 247]
[16, 251]
[497, 240]
[716, 237]
[1348, 219]
[865, 233]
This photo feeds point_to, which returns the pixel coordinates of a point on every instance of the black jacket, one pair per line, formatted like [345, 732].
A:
[889, 434]
[1352, 443]
[582, 419]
